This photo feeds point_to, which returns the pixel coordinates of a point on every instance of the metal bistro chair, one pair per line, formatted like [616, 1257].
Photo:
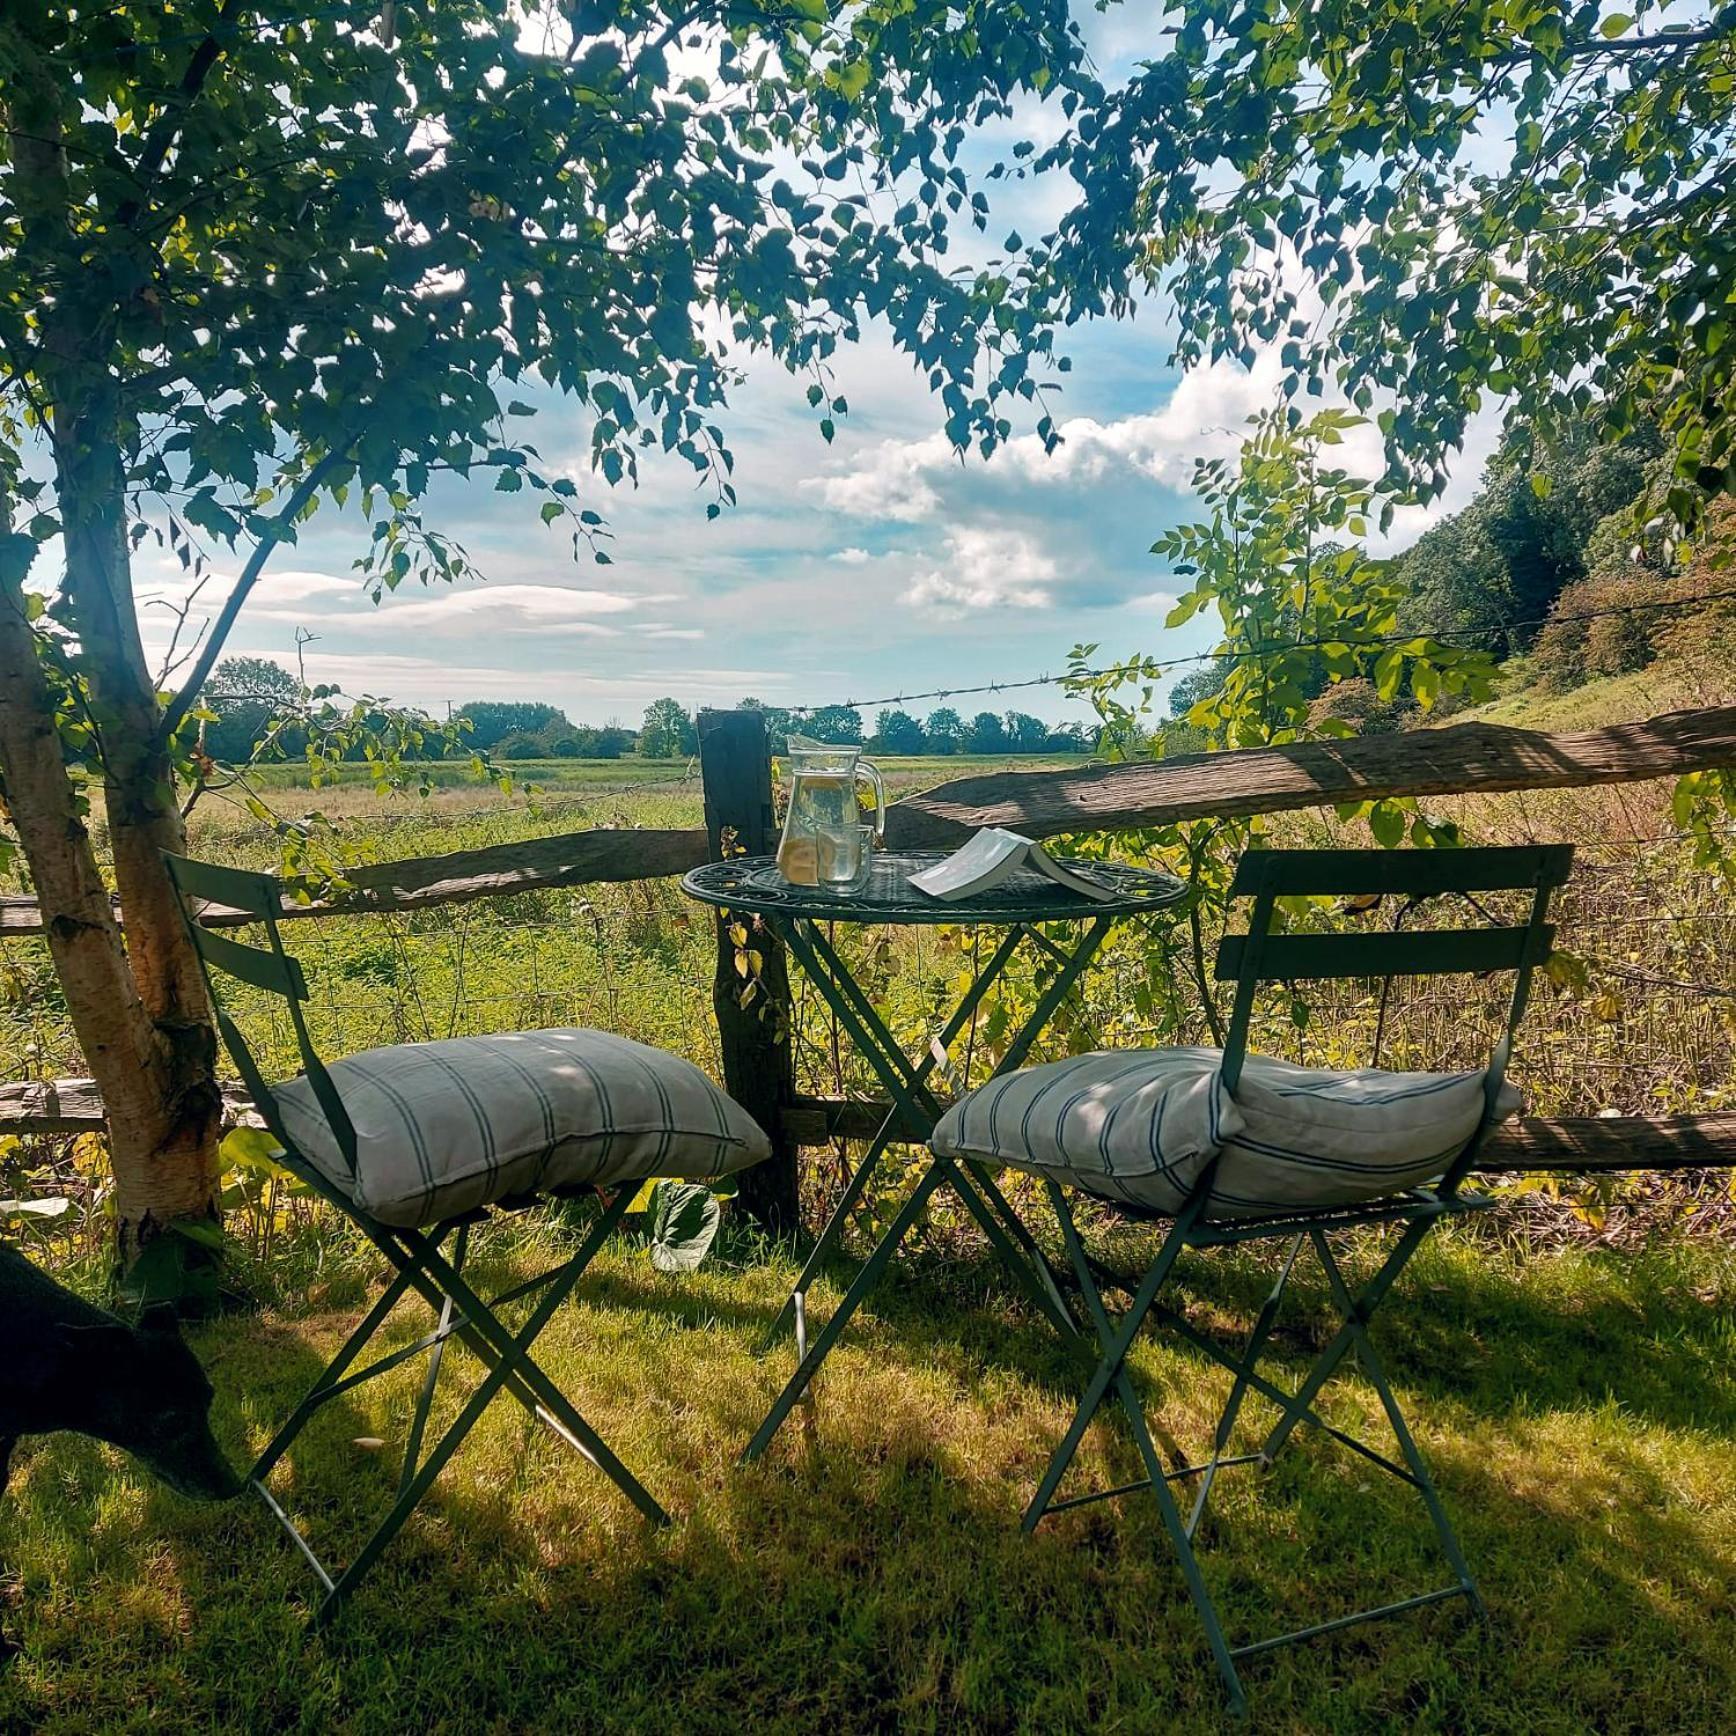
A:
[416, 1143]
[1232, 1148]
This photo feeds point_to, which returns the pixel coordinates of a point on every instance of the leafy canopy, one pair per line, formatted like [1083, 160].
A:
[1433, 206]
[300, 253]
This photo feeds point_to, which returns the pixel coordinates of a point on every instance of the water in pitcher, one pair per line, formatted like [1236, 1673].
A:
[822, 827]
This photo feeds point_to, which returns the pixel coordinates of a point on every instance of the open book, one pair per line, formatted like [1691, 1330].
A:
[992, 857]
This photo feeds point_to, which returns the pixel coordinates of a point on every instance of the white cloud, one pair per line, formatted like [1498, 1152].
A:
[890, 481]
[1206, 417]
[493, 608]
[585, 694]
[987, 569]
[1153, 603]
[162, 580]
[851, 557]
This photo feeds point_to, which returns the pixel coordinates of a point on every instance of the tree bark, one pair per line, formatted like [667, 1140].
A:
[137, 1005]
[161, 1129]
[163, 1151]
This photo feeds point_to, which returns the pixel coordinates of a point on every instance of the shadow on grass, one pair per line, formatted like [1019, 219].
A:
[870, 1574]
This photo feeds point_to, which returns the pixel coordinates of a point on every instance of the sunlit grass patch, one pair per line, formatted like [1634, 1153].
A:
[1579, 1411]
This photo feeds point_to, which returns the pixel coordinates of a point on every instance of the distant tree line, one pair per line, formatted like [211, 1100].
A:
[254, 700]
[944, 731]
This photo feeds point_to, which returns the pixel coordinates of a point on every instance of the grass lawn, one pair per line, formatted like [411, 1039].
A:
[1579, 1410]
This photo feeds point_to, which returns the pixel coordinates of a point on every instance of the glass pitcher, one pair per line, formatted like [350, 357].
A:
[823, 833]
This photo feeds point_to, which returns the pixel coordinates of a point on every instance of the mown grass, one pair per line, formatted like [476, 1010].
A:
[1579, 1410]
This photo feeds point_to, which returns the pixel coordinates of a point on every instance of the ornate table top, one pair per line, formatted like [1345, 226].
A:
[754, 885]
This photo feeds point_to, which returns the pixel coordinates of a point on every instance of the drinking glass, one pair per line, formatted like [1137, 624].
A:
[843, 857]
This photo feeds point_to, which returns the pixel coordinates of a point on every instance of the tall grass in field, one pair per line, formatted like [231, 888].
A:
[1637, 1017]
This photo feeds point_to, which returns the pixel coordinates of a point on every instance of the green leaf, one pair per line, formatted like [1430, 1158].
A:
[1386, 820]
[252, 1151]
[684, 1220]
[853, 79]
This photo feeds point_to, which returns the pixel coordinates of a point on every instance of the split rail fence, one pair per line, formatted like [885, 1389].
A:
[735, 767]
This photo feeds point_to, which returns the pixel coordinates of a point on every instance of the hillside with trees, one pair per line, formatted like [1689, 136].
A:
[1564, 567]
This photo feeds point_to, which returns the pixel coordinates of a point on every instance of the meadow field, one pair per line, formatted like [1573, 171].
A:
[1642, 1019]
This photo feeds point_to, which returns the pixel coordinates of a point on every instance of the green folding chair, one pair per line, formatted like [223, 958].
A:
[1232, 1148]
[451, 1132]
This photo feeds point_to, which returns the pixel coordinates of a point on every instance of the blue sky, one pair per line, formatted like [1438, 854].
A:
[881, 564]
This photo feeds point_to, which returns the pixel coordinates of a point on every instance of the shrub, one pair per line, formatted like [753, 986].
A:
[1356, 703]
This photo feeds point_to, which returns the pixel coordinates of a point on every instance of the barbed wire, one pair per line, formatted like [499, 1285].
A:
[1153, 667]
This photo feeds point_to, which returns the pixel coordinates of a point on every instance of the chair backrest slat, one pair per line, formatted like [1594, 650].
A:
[240, 888]
[275, 972]
[1427, 952]
[1265, 955]
[270, 968]
[1415, 873]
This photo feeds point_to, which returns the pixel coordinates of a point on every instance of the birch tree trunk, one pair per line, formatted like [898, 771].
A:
[152, 1058]
[137, 1003]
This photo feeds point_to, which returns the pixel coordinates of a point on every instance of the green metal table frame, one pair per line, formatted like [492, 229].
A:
[799, 915]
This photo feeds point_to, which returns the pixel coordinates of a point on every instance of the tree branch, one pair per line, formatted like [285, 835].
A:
[160, 140]
[249, 577]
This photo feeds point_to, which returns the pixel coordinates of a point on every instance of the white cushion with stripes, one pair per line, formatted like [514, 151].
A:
[442, 1128]
[1140, 1126]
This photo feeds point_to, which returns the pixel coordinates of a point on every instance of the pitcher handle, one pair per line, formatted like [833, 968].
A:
[866, 768]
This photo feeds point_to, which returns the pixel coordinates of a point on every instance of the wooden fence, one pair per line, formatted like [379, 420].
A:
[1469, 759]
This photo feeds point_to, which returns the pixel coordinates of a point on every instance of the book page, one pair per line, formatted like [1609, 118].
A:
[1078, 880]
[984, 862]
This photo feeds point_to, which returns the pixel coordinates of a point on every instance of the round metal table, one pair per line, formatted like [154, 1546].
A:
[1027, 905]
[753, 884]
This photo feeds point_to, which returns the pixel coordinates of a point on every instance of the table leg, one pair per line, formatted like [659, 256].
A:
[917, 1108]
[1072, 967]
[814, 963]
[864, 1281]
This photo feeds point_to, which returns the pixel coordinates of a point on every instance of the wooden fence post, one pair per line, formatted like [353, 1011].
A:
[735, 771]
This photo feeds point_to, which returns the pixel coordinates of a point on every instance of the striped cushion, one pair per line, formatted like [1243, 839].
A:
[442, 1128]
[1139, 1127]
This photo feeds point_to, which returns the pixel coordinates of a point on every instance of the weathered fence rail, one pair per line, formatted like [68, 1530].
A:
[1460, 759]
[424, 882]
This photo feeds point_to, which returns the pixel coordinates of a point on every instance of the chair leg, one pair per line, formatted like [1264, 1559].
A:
[1239, 1389]
[1297, 1407]
[424, 1269]
[333, 1372]
[1116, 1342]
[1113, 1370]
[1017, 1248]
[525, 1378]
[1375, 1369]
[419, 1422]
[416, 1486]
[1360, 1308]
